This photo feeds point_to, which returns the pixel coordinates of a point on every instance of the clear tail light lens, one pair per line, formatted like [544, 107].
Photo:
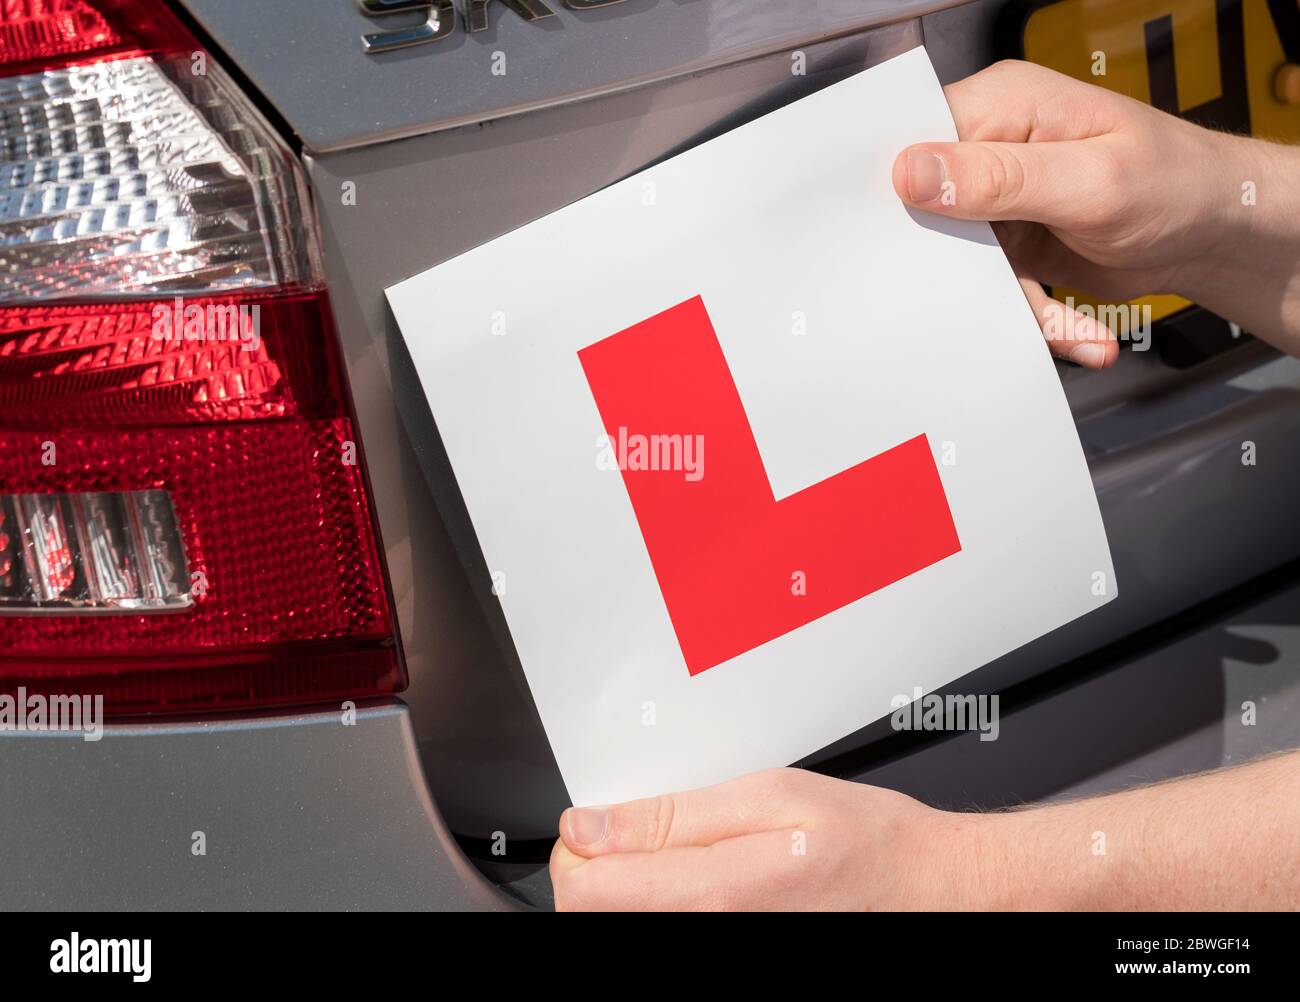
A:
[137, 176]
[184, 521]
[91, 552]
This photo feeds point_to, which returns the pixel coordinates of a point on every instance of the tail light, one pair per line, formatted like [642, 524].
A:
[183, 514]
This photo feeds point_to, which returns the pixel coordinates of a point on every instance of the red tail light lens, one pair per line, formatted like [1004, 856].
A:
[33, 32]
[183, 514]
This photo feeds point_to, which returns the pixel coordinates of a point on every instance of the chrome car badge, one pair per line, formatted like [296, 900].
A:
[440, 18]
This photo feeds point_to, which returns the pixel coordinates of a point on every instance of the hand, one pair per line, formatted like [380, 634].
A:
[1097, 191]
[782, 839]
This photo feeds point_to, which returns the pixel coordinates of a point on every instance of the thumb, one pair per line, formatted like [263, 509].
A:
[765, 801]
[1052, 183]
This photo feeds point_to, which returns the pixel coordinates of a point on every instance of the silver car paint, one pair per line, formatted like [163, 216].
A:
[312, 68]
[297, 811]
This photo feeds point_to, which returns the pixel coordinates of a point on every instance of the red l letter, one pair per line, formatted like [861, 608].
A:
[738, 568]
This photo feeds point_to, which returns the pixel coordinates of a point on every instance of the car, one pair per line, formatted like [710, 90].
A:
[313, 700]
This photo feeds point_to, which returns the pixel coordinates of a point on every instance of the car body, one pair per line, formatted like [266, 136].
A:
[447, 796]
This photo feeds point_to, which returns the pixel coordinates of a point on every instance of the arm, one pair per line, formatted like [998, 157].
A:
[792, 840]
[1222, 840]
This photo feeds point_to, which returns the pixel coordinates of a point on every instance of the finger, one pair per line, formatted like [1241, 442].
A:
[1067, 184]
[1034, 250]
[763, 801]
[1071, 335]
[756, 872]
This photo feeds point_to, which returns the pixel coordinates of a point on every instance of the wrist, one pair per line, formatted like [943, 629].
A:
[1028, 860]
[1249, 203]
[979, 864]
